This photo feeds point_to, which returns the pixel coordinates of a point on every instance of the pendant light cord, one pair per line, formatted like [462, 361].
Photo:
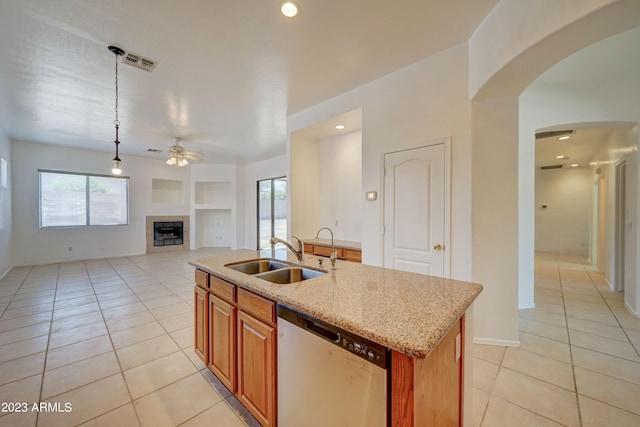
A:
[116, 160]
[116, 121]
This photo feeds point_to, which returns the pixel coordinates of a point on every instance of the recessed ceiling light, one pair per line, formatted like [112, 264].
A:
[562, 157]
[562, 138]
[574, 165]
[339, 127]
[289, 8]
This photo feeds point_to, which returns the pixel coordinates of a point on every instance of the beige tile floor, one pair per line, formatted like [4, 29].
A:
[113, 338]
[578, 364]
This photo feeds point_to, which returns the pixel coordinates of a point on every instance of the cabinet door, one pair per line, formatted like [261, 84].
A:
[222, 344]
[256, 368]
[353, 255]
[201, 305]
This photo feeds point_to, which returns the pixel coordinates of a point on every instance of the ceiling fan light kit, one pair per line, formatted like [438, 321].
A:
[178, 156]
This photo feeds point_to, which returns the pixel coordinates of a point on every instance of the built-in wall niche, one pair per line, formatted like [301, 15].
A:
[326, 178]
[167, 191]
[214, 228]
[213, 193]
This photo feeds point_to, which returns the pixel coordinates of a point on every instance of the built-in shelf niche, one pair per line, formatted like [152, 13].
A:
[214, 228]
[214, 194]
[167, 191]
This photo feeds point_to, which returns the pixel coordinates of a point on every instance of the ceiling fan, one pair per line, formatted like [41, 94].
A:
[180, 157]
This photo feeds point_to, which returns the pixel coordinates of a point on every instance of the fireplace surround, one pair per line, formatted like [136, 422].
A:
[167, 233]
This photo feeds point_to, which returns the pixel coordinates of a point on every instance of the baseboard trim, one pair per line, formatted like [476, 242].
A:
[501, 343]
[6, 272]
[631, 310]
[527, 305]
[611, 287]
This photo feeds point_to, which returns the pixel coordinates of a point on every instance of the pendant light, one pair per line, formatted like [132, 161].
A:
[116, 160]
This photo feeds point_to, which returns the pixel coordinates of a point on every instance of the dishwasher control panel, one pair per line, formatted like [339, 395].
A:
[374, 355]
[361, 347]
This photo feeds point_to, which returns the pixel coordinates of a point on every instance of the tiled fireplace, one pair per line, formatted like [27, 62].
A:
[167, 233]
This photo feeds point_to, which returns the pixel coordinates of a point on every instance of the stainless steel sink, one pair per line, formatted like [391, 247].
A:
[290, 275]
[257, 266]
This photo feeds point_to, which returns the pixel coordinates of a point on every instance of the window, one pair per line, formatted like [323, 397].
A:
[76, 200]
[272, 210]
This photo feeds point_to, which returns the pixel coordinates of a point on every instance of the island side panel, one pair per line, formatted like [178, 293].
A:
[429, 391]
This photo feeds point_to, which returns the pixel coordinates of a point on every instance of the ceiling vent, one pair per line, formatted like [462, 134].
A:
[154, 150]
[554, 133]
[138, 61]
[549, 167]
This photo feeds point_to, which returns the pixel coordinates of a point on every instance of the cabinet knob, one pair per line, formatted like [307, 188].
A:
[438, 247]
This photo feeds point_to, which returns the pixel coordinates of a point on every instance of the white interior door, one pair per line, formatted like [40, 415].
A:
[414, 210]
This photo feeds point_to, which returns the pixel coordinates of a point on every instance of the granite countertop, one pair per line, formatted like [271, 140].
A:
[406, 312]
[345, 244]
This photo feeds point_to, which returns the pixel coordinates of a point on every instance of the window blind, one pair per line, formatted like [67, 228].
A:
[78, 200]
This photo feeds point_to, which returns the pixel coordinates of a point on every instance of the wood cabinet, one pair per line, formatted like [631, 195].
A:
[429, 392]
[257, 368]
[201, 314]
[325, 250]
[353, 255]
[222, 341]
[235, 335]
[257, 356]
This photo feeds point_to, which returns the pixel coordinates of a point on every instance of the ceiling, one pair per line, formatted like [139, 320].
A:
[227, 75]
[612, 59]
[579, 149]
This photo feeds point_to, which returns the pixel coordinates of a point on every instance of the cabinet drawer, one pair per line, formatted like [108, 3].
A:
[223, 289]
[353, 255]
[202, 279]
[308, 249]
[325, 251]
[261, 308]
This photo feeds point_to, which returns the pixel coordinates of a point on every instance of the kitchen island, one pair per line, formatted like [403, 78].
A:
[413, 315]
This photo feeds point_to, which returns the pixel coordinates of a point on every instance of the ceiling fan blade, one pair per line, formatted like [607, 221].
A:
[195, 153]
[192, 157]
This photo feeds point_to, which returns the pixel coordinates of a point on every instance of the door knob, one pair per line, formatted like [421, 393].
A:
[438, 247]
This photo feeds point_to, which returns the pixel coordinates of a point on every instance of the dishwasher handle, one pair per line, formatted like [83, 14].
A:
[321, 331]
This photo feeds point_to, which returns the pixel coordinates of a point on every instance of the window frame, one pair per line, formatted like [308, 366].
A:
[87, 177]
[272, 216]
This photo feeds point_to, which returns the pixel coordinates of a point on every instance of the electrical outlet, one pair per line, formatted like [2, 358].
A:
[70, 248]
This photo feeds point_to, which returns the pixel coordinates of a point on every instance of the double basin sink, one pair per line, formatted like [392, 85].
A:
[275, 271]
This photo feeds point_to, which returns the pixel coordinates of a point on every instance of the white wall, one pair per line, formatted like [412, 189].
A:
[6, 216]
[304, 186]
[610, 101]
[252, 173]
[495, 221]
[341, 196]
[406, 109]
[563, 226]
[520, 39]
[620, 146]
[326, 185]
[33, 245]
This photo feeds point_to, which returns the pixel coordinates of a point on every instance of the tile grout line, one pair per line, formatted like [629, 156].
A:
[624, 331]
[573, 367]
[115, 353]
[180, 349]
[44, 366]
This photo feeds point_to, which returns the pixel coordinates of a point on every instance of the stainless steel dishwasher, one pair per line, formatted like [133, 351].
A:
[328, 376]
